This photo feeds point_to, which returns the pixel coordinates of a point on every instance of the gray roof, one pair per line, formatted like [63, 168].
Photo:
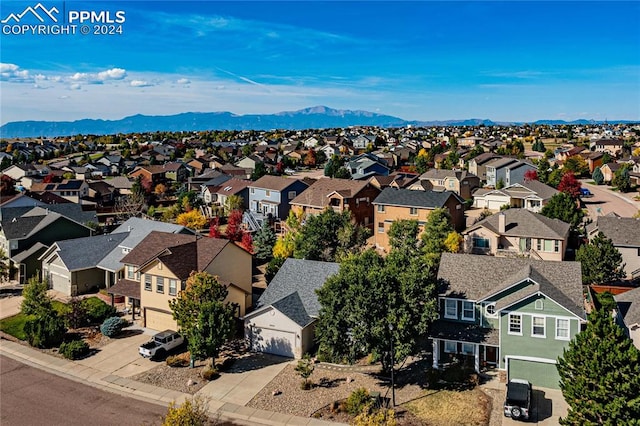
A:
[410, 198]
[444, 173]
[477, 277]
[542, 190]
[72, 211]
[524, 223]
[85, 253]
[622, 231]
[36, 249]
[629, 305]
[136, 229]
[293, 290]
[461, 332]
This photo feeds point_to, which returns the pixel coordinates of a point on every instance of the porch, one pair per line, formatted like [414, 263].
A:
[474, 345]
[131, 291]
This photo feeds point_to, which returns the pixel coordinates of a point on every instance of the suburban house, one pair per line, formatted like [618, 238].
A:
[459, 181]
[517, 315]
[507, 170]
[394, 180]
[366, 165]
[612, 146]
[283, 322]
[628, 314]
[609, 170]
[26, 231]
[530, 194]
[272, 195]
[218, 194]
[396, 204]
[340, 195]
[162, 262]
[624, 233]
[477, 165]
[518, 233]
[73, 190]
[70, 265]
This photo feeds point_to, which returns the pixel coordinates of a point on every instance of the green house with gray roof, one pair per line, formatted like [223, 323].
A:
[512, 314]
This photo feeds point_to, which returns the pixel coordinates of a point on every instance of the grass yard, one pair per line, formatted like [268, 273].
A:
[452, 408]
[15, 325]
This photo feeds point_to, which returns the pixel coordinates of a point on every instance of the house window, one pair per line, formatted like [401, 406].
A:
[556, 246]
[468, 311]
[380, 227]
[452, 184]
[147, 282]
[539, 245]
[172, 287]
[490, 309]
[537, 326]
[292, 195]
[380, 208]
[130, 272]
[515, 324]
[160, 284]
[468, 349]
[479, 242]
[539, 305]
[450, 308]
[267, 193]
[253, 190]
[548, 245]
[562, 329]
[450, 347]
[413, 211]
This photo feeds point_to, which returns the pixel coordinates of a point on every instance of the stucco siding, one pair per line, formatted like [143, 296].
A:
[272, 319]
[154, 299]
[631, 258]
[233, 264]
[88, 279]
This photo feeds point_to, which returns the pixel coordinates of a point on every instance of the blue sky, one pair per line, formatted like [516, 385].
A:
[419, 60]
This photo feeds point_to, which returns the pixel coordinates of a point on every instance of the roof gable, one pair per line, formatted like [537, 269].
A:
[410, 198]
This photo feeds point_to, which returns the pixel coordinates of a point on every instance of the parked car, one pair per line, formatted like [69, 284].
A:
[585, 193]
[517, 404]
[161, 344]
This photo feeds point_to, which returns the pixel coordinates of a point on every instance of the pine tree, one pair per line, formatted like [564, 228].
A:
[600, 375]
[597, 176]
[601, 261]
[263, 242]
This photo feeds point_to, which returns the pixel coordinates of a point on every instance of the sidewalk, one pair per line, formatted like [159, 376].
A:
[110, 382]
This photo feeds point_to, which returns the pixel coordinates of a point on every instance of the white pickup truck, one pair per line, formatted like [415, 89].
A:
[161, 344]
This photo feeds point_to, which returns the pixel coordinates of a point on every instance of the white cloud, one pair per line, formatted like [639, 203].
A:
[75, 86]
[12, 72]
[183, 81]
[140, 83]
[112, 74]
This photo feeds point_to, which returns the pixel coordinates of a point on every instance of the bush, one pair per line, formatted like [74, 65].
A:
[74, 349]
[112, 326]
[177, 361]
[357, 401]
[46, 330]
[192, 412]
[35, 297]
[98, 311]
[210, 374]
[378, 418]
[76, 315]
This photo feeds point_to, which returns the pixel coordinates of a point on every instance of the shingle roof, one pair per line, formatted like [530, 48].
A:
[629, 305]
[444, 173]
[87, 252]
[152, 245]
[125, 287]
[301, 277]
[410, 198]
[524, 223]
[449, 330]
[316, 194]
[478, 277]
[622, 231]
[275, 183]
[542, 190]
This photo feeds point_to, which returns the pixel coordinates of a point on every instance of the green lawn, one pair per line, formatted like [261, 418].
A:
[15, 325]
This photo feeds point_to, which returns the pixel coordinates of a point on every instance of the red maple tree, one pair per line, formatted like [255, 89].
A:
[247, 242]
[234, 226]
[530, 175]
[214, 228]
[570, 185]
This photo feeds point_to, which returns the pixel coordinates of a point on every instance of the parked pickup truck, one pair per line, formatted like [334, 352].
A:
[161, 344]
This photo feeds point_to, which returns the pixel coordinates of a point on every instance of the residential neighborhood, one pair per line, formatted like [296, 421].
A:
[508, 257]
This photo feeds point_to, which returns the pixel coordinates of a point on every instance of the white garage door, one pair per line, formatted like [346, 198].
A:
[271, 341]
[159, 320]
[60, 283]
[495, 204]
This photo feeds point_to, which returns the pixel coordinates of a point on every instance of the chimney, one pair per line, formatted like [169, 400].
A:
[502, 223]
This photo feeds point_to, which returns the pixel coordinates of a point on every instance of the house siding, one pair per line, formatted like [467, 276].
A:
[87, 279]
[631, 259]
[273, 319]
[152, 299]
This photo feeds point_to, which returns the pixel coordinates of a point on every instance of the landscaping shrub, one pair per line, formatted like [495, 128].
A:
[357, 401]
[98, 311]
[210, 374]
[76, 315]
[35, 297]
[305, 368]
[74, 349]
[46, 330]
[377, 418]
[177, 361]
[112, 326]
[192, 412]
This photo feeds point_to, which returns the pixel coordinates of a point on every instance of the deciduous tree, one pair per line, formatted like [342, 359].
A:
[234, 229]
[600, 375]
[530, 175]
[562, 206]
[35, 297]
[601, 261]
[570, 185]
[192, 219]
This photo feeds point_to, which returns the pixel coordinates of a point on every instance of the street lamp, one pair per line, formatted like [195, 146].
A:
[393, 387]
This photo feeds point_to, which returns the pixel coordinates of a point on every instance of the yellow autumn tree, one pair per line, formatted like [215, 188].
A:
[192, 219]
[453, 242]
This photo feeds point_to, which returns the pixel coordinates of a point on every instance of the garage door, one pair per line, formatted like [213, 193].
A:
[540, 374]
[159, 321]
[277, 342]
[495, 204]
[59, 283]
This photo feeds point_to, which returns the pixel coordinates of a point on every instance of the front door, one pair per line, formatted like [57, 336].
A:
[491, 355]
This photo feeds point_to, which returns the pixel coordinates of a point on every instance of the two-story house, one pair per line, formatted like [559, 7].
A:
[459, 181]
[612, 146]
[518, 233]
[162, 262]
[272, 195]
[507, 170]
[73, 190]
[397, 204]
[530, 194]
[624, 233]
[219, 193]
[477, 165]
[340, 195]
[366, 165]
[517, 315]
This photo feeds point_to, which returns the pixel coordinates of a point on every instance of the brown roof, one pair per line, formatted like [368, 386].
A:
[230, 187]
[126, 288]
[275, 183]
[317, 194]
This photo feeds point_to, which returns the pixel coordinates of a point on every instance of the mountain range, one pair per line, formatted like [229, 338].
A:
[319, 117]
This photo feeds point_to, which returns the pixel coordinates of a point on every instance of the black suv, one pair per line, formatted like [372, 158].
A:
[518, 402]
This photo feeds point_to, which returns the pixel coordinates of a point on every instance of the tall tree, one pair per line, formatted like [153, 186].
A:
[600, 375]
[544, 168]
[192, 219]
[234, 230]
[601, 261]
[577, 165]
[570, 185]
[562, 206]
[621, 179]
[597, 176]
[436, 230]
[264, 241]
[203, 316]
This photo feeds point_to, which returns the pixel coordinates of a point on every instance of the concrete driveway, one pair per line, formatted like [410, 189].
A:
[547, 407]
[10, 306]
[606, 201]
